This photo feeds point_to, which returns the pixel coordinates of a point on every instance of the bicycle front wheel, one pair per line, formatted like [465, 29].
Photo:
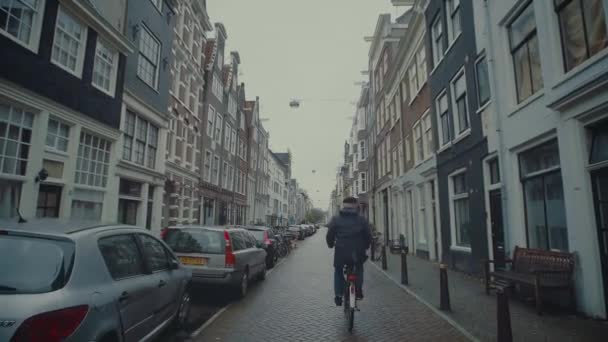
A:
[351, 319]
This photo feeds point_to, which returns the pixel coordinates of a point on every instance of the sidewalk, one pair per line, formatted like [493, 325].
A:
[476, 312]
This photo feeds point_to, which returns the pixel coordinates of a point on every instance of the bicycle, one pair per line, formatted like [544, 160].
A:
[350, 296]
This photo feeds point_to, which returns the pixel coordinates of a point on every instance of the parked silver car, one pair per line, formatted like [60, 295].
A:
[218, 255]
[71, 281]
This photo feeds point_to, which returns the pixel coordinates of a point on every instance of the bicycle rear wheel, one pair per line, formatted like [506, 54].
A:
[351, 319]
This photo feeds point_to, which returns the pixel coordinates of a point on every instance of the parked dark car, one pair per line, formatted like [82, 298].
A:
[297, 231]
[266, 238]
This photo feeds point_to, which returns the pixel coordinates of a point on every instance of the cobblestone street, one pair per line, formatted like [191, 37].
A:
[295, 303]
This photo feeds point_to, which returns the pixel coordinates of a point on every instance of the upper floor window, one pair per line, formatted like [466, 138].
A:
[104, 70]
[583, 29]
[69, 43]
[232, 106]
[460, 210]
[57, 136]
[20, 20]
[218, 127]
[217, 87]
[210, 121]
[421, 64]
[140, 141]
[427, 131]
[233, 142]
[413, 76]
[437, 37]
[483, 81]
[207, 166]
[526, 58]
[443, 116]
[460, 106]
[227, 133]
[418, 143]
[453, 11]
[362, 150]
[149, 57]
[216, 170]
[158, 4]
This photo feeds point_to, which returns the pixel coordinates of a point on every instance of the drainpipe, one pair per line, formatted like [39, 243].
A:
[497, 109]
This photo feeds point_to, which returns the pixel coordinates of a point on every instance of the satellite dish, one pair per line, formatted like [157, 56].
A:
[294, 104]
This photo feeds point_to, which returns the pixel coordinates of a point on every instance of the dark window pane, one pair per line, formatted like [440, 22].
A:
[522, 26]
[536, 72]
[539, 158]
[556, 212]
[155, 254]
[523, 81]
[596, 25]
[130, 188]
[599, 148]
[494, 172]
[535, 213]
[121, 256]
[573, 34]
[483, 82]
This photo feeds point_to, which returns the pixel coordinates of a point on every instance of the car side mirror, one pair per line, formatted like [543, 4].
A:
[173, 264]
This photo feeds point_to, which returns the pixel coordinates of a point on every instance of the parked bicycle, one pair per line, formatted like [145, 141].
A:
[376, 253]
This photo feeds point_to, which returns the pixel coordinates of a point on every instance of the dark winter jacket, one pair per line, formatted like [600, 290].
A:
[351, 235]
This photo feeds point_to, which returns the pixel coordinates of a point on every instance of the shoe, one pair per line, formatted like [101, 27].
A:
[338, 301]
[359, 295]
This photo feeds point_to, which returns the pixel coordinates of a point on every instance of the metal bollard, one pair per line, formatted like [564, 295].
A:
[384, 265]
[444, 292]
[404, 275]
[503, 316]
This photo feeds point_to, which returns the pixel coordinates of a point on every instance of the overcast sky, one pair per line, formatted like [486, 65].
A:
[311, 50]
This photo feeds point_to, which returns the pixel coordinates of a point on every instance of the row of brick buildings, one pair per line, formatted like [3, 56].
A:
[132, 112]
[482, 127]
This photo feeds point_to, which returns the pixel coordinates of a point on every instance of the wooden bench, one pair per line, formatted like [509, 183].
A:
[543, 270]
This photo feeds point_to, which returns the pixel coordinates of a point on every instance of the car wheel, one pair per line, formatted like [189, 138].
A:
[244, 285]
[263, 273]
[183, 312]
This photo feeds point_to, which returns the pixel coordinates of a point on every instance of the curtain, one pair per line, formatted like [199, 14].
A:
[573, 34]
[596, 25]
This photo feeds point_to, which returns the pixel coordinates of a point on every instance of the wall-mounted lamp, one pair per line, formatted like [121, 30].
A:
[42, 176]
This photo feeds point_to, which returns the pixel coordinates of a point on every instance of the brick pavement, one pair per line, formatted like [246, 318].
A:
[295, 303]
[476, 312]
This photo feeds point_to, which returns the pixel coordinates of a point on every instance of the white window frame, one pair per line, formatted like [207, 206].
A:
[219, 126]
[34, 39]
[85, 172]
[207, 175]
[453, 197]
[362, 150]
[418, 143]
[224, 173]
[233, 142]
[211, 122]
[452, 9]
[427, 134]
[408, 157]
[216, 160]
[56, 136]
[437, 40]
[413, 80]
[81, 44]
[456, 115]
[421, 65]
[227, 132]
[114, 67]
[443, 143]
[141, 55]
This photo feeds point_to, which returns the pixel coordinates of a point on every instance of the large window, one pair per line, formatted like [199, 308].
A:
[583, 29]
[93, 160]
[20, 20]
[69, 43]
[443, 117]
[140, 141]
[104, 70]
[233, 142]
[87, 204]
[225, 176]
[57, 135]
[544, 197]
[459, 202]
[526, 58]
[149, 57]
[418, 143]
[216, 170]
[210, 121]
[413, 77]
[483, 81]
[362, 150]
[217, 88]
[15, 139]
[459, 94]
[421, 63]
[218, 128]
[227, 132]
[437, 37]
[363, 180]
[453, 16]
[427, 131]
[207, 166]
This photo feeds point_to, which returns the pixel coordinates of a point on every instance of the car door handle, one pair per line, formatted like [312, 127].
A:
[123, 297]
[162, 283]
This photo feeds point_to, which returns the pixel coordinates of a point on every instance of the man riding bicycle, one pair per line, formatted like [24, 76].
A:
[350, 234]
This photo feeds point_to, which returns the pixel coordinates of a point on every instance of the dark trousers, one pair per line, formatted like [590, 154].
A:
[339, 282]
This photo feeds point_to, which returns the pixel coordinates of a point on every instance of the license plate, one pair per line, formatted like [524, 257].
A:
[193, 261]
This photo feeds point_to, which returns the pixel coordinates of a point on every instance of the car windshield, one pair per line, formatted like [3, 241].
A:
[195, 241]
[258, 234]
[34, 265]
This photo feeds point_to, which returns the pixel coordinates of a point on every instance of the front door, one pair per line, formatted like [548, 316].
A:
[600, 193]
[498, 236]
[49, 199]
